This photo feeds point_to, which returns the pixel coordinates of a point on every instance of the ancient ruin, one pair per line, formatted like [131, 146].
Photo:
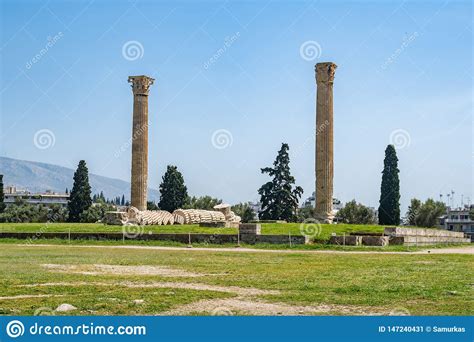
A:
[324, 167]
[137, 213]
[133, 216]
[139, 180]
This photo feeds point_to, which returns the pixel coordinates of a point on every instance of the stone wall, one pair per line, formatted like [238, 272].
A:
[398, 231]
[423, 236]
[178, 237]
[346, 240]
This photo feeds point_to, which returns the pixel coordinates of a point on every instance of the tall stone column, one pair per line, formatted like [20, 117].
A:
[139, 180]
[324, 142]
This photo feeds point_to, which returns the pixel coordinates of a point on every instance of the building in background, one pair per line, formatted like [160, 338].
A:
[12, 195]
[256, 207]
[311, 202]
[458, 220]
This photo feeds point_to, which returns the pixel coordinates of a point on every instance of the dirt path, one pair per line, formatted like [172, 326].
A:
[248, 306]
[449, 250]
[241, 291]
[97, 269]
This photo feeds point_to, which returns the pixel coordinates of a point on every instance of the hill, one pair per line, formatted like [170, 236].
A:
[39, 177]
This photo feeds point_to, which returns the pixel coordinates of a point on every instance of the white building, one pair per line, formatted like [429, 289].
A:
[12, 195]
[256, 207]
[311, 202]
[458, 220]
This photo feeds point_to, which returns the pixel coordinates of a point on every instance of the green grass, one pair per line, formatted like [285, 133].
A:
[422, 284]
[267, 228]
[267, 246]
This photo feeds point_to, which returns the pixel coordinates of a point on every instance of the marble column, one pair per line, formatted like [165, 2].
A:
[139, 179]
[324, 142]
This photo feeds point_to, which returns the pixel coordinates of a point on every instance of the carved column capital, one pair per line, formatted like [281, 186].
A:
[325, 72]
[140, 84]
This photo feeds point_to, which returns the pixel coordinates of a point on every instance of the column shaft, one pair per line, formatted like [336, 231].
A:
[139, 177]
[324, 167]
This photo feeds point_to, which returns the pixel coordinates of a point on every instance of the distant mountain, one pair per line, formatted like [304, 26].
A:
[39, 177]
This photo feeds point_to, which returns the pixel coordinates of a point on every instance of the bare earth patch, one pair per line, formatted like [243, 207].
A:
[29, 296]
[241, 291]
[238, 306]
[244, 303]
[100, 269]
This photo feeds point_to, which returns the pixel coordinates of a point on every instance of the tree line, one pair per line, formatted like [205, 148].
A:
[279, 199]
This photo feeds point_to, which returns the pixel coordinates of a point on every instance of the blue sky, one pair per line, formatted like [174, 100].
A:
[404, 76]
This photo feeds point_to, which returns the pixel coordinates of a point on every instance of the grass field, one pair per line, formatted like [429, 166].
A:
[267, 228]
[123, 281]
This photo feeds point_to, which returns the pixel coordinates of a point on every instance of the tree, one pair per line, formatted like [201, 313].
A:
[413, 211]
[203, 202]
[356, 213]
[245, 212]
[122, 202]
[306, 213]
[389, 208]
[425, 214]
[150, 205]
[95, 213]
[172, 189]
[80, 196]
[22, 212]
[2, 196]
[57, 213]
[279, 199]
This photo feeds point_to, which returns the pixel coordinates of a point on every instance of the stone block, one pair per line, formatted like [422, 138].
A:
[375, 240]
[347, 240]
[116, 218]
[399, 231]
[225, 224]
[250, 228]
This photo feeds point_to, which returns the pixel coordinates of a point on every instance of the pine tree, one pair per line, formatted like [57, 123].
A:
[278, 198]
[172, 189]
[2, 196]
[80, 196]
[389, 208]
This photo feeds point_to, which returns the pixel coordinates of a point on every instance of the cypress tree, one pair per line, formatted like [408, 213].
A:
[80, 196]
[123, 200]
[2, 195]
[279, 199]
[172, 189]
[389, 208]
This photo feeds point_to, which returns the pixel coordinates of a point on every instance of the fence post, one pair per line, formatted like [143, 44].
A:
[189, 241]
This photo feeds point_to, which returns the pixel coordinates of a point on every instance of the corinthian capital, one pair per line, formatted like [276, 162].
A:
[140, 84]
[325, 72]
